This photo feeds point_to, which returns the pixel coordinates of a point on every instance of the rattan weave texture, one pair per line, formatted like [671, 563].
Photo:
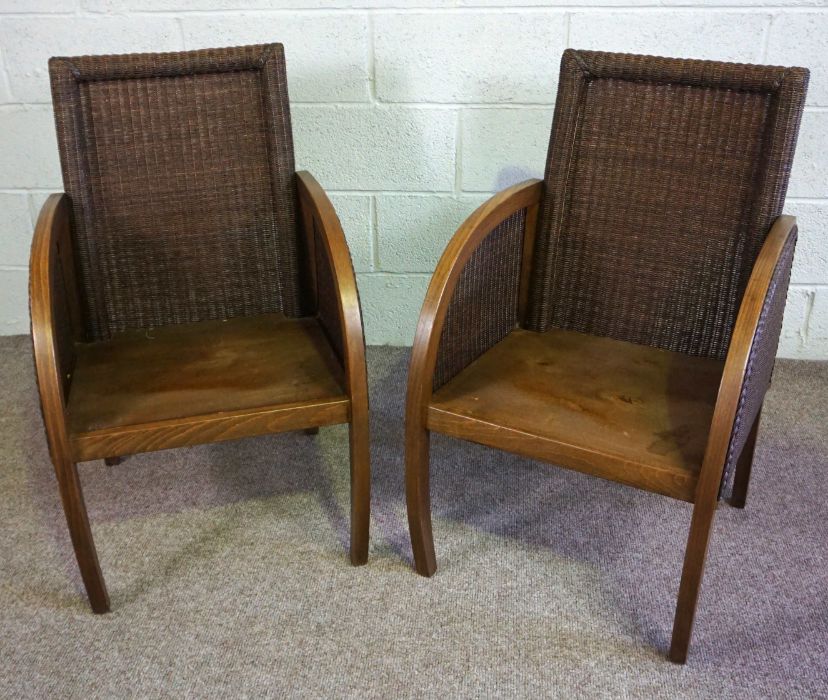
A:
[484, 308]
[760, 362]
[327, 305]
[662, 180]
[180, 171]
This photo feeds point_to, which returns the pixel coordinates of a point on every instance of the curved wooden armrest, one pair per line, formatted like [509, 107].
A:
[54, 308]
[473, 231]
[752, 337]
[320, 220]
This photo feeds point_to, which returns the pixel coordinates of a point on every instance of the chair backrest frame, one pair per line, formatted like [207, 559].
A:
[662, 180]
[181, 174]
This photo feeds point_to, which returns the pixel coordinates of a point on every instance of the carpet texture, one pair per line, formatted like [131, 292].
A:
[228, 574]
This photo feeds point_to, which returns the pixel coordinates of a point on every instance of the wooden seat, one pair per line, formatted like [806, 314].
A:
[179, 375]
[627, 412]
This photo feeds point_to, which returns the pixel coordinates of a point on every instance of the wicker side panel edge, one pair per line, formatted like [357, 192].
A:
[484, 308]
[327, 296]
[180, 171]
[761, 361]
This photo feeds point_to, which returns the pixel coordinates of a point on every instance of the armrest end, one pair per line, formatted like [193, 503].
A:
[54, 308]
[750, 358]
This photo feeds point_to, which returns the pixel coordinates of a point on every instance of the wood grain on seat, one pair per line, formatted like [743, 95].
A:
[178, 373]
[627, 412]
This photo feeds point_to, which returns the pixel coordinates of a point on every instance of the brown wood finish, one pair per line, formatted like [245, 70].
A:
[624, 412]
[424, 356]
[190, 384]
[220, 367]
[654, 419]
[207, 428]
[49, 287]
[733, 377]
[316, 207]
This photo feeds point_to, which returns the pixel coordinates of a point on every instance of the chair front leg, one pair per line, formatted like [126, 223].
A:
[741, 480]
[691, 578]
[418, 496]
[77, 519]
[360, 481]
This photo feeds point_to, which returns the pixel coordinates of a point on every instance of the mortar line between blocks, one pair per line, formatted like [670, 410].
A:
[366, 104]
[458, 154]
[395, 273]
[653, 6]
[4, 74]
[763, 58]
[372, 210]
[180, 23]
[415, 193]
[809, 310]
[372, 61]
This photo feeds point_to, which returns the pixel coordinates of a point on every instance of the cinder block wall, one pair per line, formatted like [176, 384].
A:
[411, 112]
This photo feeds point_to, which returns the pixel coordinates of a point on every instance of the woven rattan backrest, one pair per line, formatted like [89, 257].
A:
[181, 175]
[662, 180]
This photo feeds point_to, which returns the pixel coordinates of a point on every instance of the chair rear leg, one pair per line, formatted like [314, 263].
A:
[741, 480]
[360, 484]
[418, 499]
[113, 461]
[311, 431]
[78, 521]
[691, 578]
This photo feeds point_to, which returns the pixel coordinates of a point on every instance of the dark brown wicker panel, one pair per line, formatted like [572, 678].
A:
[662, 181]
[180, 171]
[760, 362]
[484, 308]
[328, 309]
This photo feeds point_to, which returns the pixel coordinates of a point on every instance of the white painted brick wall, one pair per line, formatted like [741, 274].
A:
[410, 112]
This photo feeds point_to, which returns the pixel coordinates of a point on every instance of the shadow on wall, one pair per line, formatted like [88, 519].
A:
[513, 174]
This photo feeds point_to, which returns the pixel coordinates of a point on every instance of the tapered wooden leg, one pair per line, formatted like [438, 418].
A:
[311, 431]
[360, 484]
[691, 578]
[113, 461]
[742, 478]
[418, 499]
[81, 534]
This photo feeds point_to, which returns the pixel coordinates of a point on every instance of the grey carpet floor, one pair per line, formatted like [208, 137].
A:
[228, 573]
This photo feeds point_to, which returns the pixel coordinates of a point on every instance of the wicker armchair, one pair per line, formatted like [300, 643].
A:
[189, 287]
[621, 317]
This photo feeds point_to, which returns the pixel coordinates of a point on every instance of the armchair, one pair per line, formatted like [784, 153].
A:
[621, 317]
[189, 286]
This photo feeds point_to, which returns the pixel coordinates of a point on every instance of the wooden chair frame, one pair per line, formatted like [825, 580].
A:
[422, 418]
[55, 306]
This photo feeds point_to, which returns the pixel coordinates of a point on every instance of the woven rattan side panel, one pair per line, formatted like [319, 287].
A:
[327, 296]
[484, 308]
[760, 361]
[663, 179]
[180, 170]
